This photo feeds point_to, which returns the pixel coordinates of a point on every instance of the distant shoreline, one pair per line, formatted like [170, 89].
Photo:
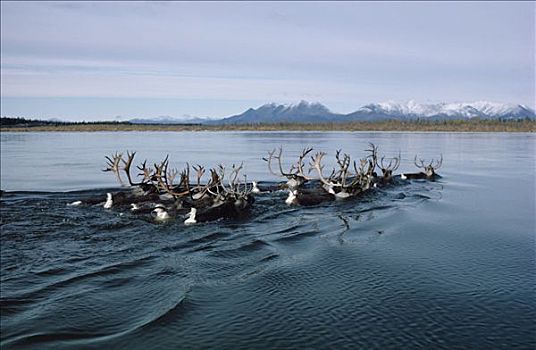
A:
[422, 126]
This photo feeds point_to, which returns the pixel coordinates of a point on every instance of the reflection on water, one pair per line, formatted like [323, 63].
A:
[447, 264]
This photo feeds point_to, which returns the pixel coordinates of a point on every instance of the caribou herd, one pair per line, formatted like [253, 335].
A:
[163, 193]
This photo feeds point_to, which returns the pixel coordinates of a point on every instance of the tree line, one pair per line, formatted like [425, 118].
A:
[24, 122]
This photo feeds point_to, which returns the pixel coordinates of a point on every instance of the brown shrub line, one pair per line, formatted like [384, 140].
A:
[422, 126]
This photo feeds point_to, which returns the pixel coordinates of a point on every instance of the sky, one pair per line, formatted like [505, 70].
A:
[121, 60]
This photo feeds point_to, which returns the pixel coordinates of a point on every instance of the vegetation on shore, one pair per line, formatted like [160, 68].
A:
[473, 125]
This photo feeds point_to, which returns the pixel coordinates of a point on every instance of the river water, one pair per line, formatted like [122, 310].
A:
[444, 264]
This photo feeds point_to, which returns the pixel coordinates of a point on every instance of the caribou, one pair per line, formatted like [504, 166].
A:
[158, 193]
[295, 176]
[388, 168]
[343, 182]
[166, 193]
[429, 170]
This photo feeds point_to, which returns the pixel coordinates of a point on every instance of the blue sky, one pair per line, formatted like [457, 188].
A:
[100, 60]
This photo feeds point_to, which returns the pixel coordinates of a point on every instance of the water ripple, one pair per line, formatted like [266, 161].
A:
[399, 267]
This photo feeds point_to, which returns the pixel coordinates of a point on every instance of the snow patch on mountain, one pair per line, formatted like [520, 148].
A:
[306, 112]
[482, 109]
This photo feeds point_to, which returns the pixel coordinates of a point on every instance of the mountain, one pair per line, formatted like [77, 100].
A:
[306, 112]
[170, 120]
[441, 111]
[303, 112]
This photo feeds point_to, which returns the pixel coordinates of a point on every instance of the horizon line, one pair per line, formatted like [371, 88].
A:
[188, 117]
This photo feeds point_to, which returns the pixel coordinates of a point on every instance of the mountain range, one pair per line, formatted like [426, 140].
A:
[305, 112]
[169, 120]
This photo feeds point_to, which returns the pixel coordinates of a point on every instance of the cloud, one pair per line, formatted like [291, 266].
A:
[264, 51]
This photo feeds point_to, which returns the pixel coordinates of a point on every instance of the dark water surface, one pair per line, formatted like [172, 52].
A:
[446, 264]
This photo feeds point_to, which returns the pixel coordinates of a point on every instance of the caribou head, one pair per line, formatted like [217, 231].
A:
[389, 168]
[338, 182]
[295, 176]
[430, 169]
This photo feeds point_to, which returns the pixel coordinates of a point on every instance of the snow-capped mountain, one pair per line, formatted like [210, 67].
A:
[302, 112]
[305, 112]
[464, 110]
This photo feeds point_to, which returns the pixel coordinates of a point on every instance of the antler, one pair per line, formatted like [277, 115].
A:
[343, 172]
[391, 166]
[372, 158]
[271, 155]
[438, 164]
[126, 167]
[200, 171]
[431, 167]
[236, 188]
[362, 179]
[296, 170]
[234, 182]
[421, 166]
[299, 164]
[165, 178]
[171, 174]
[146, 172]
[233, 189]
[113, 163]
[317, 164]
[362, 164]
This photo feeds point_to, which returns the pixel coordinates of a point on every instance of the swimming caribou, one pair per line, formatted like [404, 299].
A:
[429, 170]
[167, 193]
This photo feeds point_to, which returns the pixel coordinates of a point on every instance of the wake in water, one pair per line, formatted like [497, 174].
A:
[67, 251]
[63, 253]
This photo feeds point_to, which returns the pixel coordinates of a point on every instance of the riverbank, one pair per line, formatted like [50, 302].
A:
[423, 126]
